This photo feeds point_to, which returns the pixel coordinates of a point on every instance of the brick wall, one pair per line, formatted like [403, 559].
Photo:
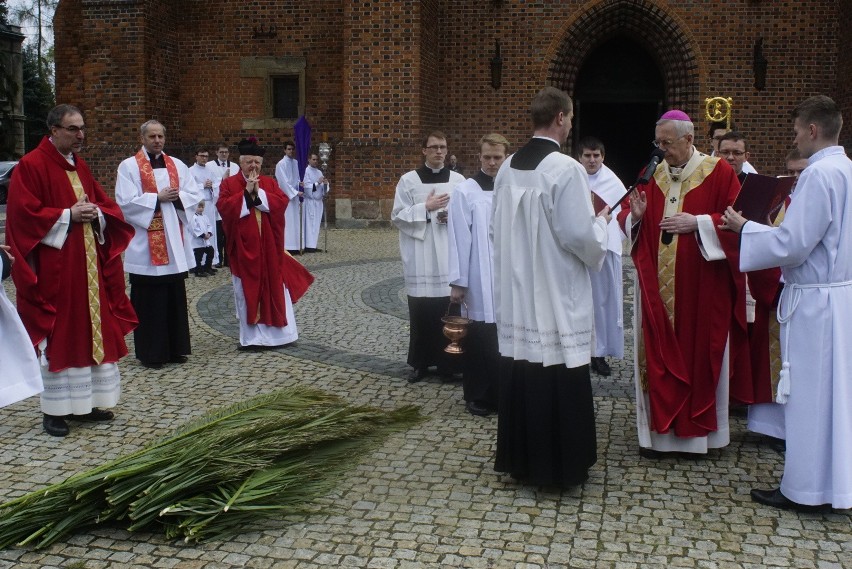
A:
[844, 71]
[379, 73]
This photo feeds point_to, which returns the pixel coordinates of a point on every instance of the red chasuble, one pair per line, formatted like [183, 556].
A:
[256, 251]
[765, 287]
[51, 284]
[682, 356]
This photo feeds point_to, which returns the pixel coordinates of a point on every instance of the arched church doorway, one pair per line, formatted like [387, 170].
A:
[618, 97]
[624, 62]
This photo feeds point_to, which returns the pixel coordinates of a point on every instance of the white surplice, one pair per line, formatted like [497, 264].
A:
[607, 284]
[211, 195]
[138, 209]
[287, 176]
[470, 251]
[544, 300]
[314, 194]
[21, 376]
[813, 247]
[422, 240]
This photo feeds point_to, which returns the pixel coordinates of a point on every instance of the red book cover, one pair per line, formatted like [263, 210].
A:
[598, 203]
[761, 197]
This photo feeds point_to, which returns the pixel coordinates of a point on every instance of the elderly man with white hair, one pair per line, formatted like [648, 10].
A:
[267, 280]
[691, 335]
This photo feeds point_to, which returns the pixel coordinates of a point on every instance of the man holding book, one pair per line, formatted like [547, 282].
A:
[813, 247]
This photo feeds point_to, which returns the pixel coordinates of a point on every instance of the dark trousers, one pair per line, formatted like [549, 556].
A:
[481, 364]
[546, 423]
[199, 255]
[160, 303]
[426, 341]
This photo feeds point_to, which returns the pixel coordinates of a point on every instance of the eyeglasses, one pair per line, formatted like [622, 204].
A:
[736, 153]
[437, 147]
[665, 143]
[73, 129]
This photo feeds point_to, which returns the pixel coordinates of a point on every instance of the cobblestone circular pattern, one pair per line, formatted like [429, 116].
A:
[429, 497]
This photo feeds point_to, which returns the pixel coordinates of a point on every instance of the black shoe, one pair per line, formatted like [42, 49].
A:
[417, 374]
[55, 426]
[199, 274]
[652, 454]
[210, 271]
[776, 499]
[218, 265]
[475, 408]
[256, 348]
[151, 365]
[178, 359]
[778, 445]
[600, 367]
[94, 415]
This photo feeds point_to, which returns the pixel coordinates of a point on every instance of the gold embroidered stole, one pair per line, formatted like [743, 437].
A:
[696, 170]
[157, 245]
[91, 276]
[775, 361]
[260, 240]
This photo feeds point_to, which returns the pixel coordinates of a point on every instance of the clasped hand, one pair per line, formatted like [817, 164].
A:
[84, 211]
[168, 195]
[252, 182]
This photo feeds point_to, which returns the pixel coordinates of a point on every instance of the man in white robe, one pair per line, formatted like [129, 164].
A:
[813, 247]
[21, 377]
[420, 214]
[607, 287]
[768, 418]
[315, 188]
[546, 239]
[471, 276]
[158, 195]
[204, 178]
[287, 176]
[222, 168]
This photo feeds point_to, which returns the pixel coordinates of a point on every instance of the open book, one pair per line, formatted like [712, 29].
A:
[761, 197]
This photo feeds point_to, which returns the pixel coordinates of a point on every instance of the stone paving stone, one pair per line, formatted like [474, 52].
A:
[428, 497]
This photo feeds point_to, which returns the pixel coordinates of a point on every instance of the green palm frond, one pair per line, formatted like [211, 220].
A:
[216, 475]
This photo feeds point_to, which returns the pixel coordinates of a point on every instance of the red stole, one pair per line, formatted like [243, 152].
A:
[156, 229]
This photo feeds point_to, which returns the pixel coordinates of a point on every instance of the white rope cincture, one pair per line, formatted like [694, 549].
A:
[795, 295]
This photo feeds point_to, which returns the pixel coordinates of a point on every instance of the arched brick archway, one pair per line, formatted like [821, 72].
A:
[662, 33]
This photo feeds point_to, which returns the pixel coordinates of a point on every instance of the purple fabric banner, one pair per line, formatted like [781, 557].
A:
[302, 133]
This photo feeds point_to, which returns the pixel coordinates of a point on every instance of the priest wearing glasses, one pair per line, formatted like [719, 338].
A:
[691, 339]
[68, 237]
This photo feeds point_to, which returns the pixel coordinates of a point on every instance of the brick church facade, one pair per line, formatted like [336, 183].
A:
[372, 76]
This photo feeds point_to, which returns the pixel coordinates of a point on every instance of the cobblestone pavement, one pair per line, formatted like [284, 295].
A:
[429, 497]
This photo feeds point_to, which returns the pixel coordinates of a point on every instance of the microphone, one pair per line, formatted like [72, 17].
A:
[646, 176]
[649, 170]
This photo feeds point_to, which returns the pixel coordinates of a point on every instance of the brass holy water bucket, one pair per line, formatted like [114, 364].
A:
[455, 328]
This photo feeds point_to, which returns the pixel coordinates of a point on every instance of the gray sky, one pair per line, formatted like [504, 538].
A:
[30, 30]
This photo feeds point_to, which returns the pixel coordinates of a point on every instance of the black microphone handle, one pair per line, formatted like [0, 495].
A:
[667, 237]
